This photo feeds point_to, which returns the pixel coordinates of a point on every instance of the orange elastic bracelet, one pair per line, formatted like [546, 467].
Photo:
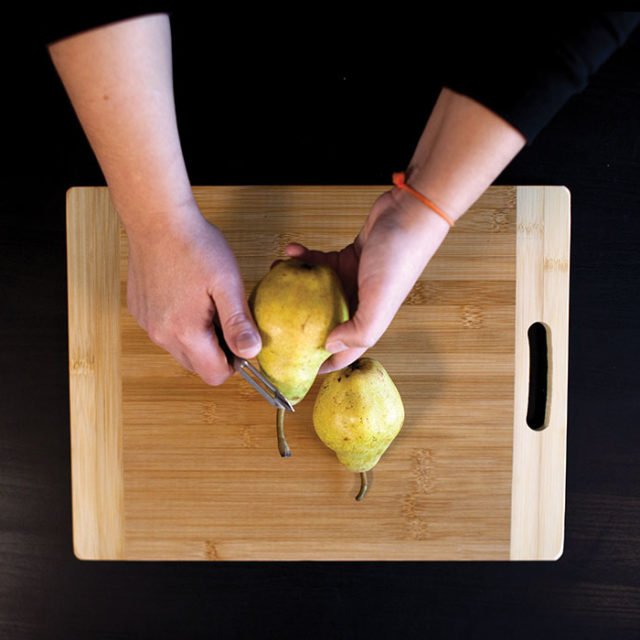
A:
[398, 180]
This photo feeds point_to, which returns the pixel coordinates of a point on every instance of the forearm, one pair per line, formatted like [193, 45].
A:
[119, 80]
[462, 150]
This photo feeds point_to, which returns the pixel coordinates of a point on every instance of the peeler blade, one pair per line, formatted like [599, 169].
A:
[258, 381]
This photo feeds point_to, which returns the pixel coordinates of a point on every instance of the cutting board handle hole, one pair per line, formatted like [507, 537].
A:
[537, 409]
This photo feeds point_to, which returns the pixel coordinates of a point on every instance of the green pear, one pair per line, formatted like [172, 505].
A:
[357, 413]
[296, 306]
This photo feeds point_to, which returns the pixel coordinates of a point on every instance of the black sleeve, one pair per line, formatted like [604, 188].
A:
[56, 21]
[526, 70]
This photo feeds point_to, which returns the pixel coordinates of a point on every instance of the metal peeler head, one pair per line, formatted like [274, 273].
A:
[260, 383]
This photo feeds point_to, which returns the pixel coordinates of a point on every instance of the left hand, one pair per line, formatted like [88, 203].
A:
[377, 270]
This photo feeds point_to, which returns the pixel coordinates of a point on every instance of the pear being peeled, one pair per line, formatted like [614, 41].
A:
[357, 413]
[296, 306]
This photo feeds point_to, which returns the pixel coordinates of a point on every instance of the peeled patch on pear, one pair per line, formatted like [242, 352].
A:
[296, 306]
[358, 412]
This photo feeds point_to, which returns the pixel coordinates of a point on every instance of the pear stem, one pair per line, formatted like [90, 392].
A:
[283, 447]
[364, 485]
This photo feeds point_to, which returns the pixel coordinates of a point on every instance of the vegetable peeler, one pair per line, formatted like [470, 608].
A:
[254, 377]
[267, 390]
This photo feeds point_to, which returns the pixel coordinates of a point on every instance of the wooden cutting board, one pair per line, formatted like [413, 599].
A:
[166, 468]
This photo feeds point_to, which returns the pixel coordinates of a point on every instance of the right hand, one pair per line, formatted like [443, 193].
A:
[180, 281]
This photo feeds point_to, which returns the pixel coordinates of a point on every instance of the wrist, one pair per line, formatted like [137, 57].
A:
[439, 190]
[158, 217]
[400, 183]
[462, 150]
[421, 218]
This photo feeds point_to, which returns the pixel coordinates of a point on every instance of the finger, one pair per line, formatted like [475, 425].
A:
[378, 302]
[171, 344]
[182, 359]
[312, 256]
[340, 360]
[295, 250]
[206, 358]
[199, 358]
[238, 327]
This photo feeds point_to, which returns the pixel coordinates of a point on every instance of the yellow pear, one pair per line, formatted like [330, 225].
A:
[296, 306]
[357, 413]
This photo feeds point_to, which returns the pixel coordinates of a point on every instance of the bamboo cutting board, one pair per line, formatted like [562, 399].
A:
[166, 468]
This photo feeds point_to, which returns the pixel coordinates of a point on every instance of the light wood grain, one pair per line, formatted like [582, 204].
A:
[94, 374]
[200, 474]
[539, 457]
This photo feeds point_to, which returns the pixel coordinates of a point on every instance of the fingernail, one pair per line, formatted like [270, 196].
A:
[336, 346]
[247, 341]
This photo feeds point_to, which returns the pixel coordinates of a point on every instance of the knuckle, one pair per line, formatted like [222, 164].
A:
[366, 343]
[213, 378]
[168, 333]
[367, 339]
[235, 322]
[159, 334]
[156, 335]
[184, 336]
[366, 333]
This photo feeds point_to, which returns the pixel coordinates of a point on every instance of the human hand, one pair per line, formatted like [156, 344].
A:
[181, 280]
[377, 270]
[463, 148]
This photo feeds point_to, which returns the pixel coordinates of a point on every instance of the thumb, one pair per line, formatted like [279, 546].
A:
[358, 333]
[238, 326]
[349, 340]
[368, 323]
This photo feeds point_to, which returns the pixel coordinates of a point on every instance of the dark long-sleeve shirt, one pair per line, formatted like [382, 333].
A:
[523, 67]
[526, 75]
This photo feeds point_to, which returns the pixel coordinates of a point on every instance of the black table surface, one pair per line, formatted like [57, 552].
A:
[333, 129]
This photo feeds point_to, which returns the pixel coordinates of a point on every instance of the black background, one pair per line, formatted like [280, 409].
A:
[342, 117]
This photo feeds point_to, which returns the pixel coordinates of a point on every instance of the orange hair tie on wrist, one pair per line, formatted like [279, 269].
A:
[398, 180]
